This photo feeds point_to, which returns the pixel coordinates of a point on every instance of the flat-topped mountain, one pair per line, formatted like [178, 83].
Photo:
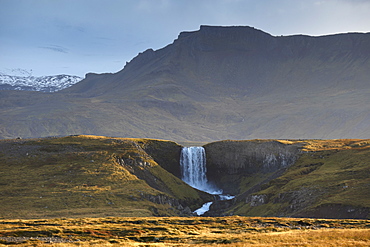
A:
[212, 84]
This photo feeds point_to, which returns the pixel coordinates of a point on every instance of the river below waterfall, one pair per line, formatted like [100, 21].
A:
[203, 209]
[194, 172]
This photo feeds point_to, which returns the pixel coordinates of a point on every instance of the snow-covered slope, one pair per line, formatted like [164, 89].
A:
[25, 81]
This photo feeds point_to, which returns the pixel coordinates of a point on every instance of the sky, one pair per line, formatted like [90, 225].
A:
[50, 37]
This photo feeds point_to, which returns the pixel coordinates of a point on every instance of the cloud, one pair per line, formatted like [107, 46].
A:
[55, 48]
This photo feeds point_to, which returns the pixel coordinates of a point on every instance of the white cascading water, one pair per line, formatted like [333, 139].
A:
[203, 209]
[193, 169]
[194, 173]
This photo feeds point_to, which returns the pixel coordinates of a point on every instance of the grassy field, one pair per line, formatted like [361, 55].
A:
[185, 231]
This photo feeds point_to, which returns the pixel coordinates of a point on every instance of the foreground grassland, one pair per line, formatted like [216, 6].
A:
[185, 231]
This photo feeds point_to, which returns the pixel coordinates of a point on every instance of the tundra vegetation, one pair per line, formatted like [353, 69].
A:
[185, 231]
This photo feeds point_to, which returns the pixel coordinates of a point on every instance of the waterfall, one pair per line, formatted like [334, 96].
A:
[194, 170]
[193, 167]
[194, 173]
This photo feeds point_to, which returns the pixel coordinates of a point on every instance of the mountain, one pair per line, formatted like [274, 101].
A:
[213, 84]
[25, 81]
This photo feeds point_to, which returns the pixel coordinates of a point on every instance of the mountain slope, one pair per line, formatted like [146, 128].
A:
[212, 84]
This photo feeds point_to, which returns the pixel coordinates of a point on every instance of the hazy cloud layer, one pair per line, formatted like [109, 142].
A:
[79, 36]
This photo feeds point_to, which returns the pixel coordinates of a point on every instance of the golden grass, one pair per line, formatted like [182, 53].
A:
[316, 238]
[333, 144]
[187, 231]
[336, 144]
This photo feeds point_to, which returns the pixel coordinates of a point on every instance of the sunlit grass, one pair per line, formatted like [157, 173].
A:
[193, 231]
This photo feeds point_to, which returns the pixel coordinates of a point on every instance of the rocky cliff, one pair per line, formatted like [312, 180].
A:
[235, 160]
[234, 157]
[307, 178]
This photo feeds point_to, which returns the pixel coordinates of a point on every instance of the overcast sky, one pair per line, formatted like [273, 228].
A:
[80, 36]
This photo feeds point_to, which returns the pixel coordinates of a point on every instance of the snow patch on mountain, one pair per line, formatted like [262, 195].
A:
[18, 79]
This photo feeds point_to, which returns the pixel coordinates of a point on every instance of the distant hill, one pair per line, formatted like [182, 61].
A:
[212, 84]
[28, 82]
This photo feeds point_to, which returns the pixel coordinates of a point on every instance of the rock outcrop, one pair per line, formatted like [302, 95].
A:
[245, 158]
[296, 178]
[234, 157]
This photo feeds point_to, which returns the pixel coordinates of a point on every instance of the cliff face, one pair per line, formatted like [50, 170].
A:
[167, 154]
[234, 157]
[310, 178]
[234, 160]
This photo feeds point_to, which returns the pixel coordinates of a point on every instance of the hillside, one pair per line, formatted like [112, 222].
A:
[213, 84]
[294, 178]
[90, 176]
[95, 176]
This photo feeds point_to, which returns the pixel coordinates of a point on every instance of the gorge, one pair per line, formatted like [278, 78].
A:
[75, 176]
[285, 177]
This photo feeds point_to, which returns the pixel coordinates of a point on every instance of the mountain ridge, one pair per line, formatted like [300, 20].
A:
[220, 83]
